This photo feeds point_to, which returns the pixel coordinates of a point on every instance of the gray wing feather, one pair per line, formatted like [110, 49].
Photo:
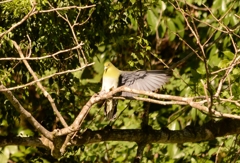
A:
[143, 80]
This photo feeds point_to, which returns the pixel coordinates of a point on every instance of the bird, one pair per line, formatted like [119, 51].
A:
[144, 80]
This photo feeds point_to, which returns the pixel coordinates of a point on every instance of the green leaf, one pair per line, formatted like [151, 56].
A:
[133, 1]
[171, 29]
[193, 114]
[223, 63]
[180, 26]
[236, 71]
[4, 158]
[162, 5]
[201, 69]
[228, 54]
[214, 57]
[174, 125]
[162, 29]
[152, 20]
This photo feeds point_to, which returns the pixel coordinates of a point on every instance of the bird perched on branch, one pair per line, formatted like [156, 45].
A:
[145, 80]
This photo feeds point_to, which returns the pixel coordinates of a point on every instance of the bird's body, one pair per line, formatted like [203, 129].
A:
[140, 80]
[110, 81]
[110, 78]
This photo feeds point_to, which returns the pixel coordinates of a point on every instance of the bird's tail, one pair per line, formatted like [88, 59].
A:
[110, 108]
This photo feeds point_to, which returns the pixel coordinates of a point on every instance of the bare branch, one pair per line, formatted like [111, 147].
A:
[74, 36]
[63, 8]
[140, 150]
[195, 33]
[29, 47]
[5, 1]
[18, 23]
[26, 114]
[230, 68]
[26, 141]
[47, 77]
[155, 101]
[46, 94]
[33, 12]
[95, 98]
[208, 131]
[43, 57]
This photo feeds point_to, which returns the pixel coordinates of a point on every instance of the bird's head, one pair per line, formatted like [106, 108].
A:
[110, 69]
[107, 65]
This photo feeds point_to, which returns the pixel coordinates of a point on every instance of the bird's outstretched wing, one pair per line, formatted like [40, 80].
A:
[143, 80]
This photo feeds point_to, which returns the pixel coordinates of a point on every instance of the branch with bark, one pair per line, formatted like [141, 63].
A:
[56, 138]
[208, 131]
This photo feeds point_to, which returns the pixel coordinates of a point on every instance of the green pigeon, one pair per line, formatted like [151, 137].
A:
[145, 80]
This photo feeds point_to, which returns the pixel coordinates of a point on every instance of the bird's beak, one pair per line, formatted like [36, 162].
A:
[105, 68]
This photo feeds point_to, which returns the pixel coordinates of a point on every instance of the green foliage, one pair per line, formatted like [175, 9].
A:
[15, 9]
[132, 35]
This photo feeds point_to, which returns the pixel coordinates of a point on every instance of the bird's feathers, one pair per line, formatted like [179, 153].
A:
[110, 70]
[109, 83]
[143, 80]
[140, 80]
[110, 108]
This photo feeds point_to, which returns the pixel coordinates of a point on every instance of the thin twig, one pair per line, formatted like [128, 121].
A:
[47, 77]
[26, 114]
[5, 1]
[46, 94]
[18, 23]
[74, 36]
[43, 57]
[63, 8]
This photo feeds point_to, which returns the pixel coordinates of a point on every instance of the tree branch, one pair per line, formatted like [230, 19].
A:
[18, 23]
[46, 94]
[43, 57]
[95, 98]
[26, 114]
[208, 131]
[46, 77]
[26, 141]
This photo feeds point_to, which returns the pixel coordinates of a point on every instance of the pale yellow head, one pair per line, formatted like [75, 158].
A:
[110, 70]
